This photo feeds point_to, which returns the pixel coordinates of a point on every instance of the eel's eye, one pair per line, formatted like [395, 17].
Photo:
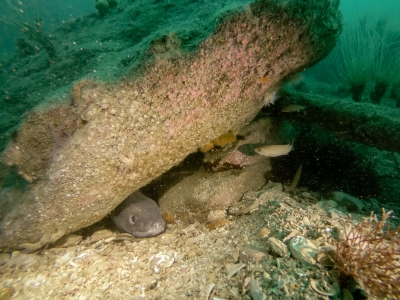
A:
[133, 219]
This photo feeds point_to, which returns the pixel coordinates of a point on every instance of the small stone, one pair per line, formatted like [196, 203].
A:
[216, 215]
[235, 254]
[327, 204]
[148, 282]
[249, 254]
[195, 239]
[306, 221]
[25, 260]
[225, 139]
[277, 247]
[275, 186]
[330, 204]
[346, 295]
[308, 196]
[244, 207]
[291, 219]
[334, 215]
[207, 147]
[6, 293]
[167, 238]
[216, 224]
[352, 204]
[169, 218]
[315, 217]
[4, 257]
[303, 249]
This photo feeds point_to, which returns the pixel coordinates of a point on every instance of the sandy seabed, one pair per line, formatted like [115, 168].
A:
[188, 261]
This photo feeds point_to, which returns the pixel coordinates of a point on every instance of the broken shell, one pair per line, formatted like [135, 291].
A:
[194, 240]
[303, 249]
[99, 235]
[232, 269]
[216, 224]
[148, 283]
[248, 254]
[291, 218]
[68, 240]
[209, 289]
[6, 293]
[234, 256]
[277, 247]
[334, 215]
[255, 290]
[291, 235]
[326, 256]
[215, 215]
[244, 207]
[325, 259]
[167, 238]
[322, 288]
[158, 261]
[315, 217]
[25, 260]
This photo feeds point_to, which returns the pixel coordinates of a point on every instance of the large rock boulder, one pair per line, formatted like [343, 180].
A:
[227, 174]
[131, 132]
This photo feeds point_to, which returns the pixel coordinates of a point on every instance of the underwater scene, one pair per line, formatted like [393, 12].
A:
[200, 149]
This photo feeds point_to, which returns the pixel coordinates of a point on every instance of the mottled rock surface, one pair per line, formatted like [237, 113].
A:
[205, 191]
[227, 174]
[133, 131]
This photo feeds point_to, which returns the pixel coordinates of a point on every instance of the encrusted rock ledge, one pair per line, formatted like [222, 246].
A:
[133, 131]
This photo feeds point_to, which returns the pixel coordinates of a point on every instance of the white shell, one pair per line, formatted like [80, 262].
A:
[316, 287]
[303, 249]
[158, 261]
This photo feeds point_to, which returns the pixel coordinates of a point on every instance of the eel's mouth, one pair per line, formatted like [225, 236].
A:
[155, 229]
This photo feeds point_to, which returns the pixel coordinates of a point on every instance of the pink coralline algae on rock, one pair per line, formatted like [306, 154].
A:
[131, 132]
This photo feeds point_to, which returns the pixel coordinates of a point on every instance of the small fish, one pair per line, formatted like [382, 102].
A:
[293, 108]
[274, 150]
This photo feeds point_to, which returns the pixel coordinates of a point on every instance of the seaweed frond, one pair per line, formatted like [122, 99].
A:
[370, 253]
